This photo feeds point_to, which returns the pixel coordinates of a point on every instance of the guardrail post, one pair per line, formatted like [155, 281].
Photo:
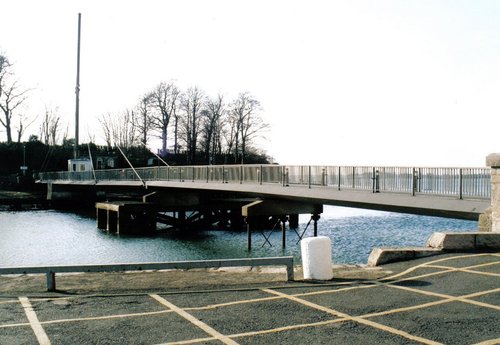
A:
[51, 281]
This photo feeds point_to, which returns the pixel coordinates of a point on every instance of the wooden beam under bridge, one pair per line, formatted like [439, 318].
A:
[281, 208]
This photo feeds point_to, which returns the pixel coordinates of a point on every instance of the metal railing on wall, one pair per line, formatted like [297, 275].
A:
[462, 183]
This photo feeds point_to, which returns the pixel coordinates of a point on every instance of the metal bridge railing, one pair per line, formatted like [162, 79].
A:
[471, 183]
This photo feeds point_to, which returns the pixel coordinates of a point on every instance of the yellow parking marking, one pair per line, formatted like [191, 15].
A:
[15, 325]
[288, 328]
[10, 301]
[489, 342]
[40, 334]
[194, 321]
[449, 298]
[228, 304]
[107, 317]
[190, 341]
[470, 269]
[354, 318]
[411, 269]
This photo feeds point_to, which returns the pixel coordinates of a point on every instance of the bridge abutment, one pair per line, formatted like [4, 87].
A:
[490, 219]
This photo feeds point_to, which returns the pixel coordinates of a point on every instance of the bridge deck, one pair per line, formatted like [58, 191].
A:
[422, 204]
[395, 202]
[449, 192]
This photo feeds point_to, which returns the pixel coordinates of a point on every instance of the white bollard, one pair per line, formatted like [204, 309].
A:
[317, 258]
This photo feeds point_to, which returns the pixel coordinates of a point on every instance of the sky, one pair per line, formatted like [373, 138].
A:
[355, 82]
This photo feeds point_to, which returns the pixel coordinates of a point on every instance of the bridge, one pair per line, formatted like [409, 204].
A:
[235, 192]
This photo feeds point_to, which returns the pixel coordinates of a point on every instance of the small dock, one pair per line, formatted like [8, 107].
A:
[125, 217]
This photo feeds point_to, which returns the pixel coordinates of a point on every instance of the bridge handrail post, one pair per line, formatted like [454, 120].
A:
[340, 169]
[286, 181]
[309, 176]
[414, 181]
[460, 187]
[353, 177]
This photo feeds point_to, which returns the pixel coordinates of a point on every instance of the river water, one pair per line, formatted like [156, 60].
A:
[48, 237]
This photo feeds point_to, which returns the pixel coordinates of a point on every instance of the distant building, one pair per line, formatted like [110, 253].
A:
[79, 164]
[106, 162]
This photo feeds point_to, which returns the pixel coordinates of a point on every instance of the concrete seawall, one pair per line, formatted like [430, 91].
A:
[438, 243]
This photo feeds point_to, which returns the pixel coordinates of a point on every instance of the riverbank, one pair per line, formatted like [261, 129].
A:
[22, 200]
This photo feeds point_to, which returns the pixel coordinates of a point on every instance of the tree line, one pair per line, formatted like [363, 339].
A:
[190, 124]
[203, 128]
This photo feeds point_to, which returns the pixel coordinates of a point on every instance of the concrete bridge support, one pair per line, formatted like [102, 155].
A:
[126, 217]
[490, 219]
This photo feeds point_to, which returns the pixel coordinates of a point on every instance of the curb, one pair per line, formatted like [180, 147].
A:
[438, 243]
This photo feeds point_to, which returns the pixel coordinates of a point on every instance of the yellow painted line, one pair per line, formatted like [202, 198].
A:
[10, 301]
[489, 342]
[15, 325]
[264, 299]
[288, 328]
[470, 269]
[445, 270]
[403, 309]
[107, 317]
[411, 269]
[325, 292]
[266, 331]
[491, 274]
[354, 318]
[40, 334]
[228, 304]
[449, 298]
[194, 321]
[190, 341]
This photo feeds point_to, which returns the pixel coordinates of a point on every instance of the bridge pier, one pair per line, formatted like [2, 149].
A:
[126, 217]
[283, 209]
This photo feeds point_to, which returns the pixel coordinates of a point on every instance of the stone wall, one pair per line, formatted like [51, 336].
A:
[490, 220]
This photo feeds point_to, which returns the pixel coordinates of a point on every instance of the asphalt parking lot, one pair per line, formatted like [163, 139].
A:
[448, 299]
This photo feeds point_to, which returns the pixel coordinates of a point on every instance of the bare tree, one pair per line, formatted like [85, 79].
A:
[24, 122]
[245, 113]
[144, 120]
[50, 127]
[106, 122]
[11, 97]
[212, 127]
[192, 104]
[119, 130]
[124, 132]
[164, 99]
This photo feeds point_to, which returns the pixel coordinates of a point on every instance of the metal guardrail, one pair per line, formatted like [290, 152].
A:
[471, 183]
[51, 271]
